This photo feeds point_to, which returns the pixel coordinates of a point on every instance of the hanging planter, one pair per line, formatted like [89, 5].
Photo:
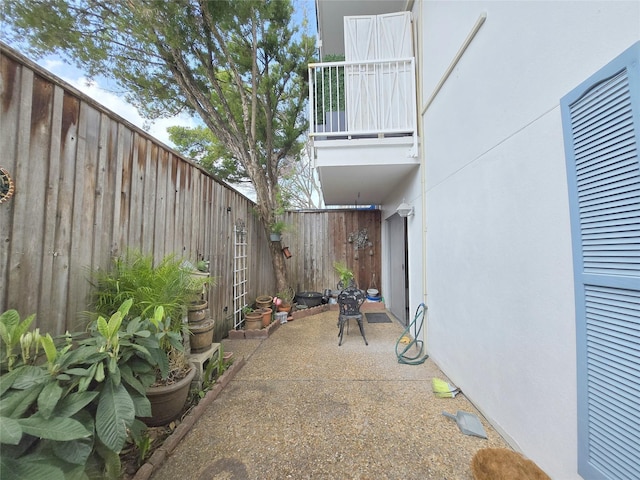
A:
[275, 237]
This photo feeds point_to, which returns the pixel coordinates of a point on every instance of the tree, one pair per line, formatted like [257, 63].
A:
[201, 145]
[241, 66]
[297, 181]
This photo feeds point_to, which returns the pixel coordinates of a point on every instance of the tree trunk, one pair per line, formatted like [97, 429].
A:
[279, 265]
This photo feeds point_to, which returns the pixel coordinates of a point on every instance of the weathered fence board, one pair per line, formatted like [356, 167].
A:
[317, 239]
[89, 186]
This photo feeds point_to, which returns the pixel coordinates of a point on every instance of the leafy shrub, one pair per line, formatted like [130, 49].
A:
[134, 276]
[69, 414]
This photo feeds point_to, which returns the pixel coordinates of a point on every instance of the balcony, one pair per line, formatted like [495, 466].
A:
[362, 120]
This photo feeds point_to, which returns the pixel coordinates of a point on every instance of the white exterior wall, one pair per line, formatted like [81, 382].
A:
[498, 261]
[409, 192]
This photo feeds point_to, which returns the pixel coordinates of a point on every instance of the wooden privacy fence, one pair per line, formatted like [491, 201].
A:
[89, 185]
[316, 239]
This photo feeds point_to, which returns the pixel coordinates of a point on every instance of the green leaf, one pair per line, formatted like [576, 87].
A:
[84, 382]
[22, 328]
[100, 372]
[23, 467]
[112, 465]
[161, 360]
[6, 380]
[74, 402]
[158, 315]
[56, 428]
[16, 402]
[8, 322]
[74, 451]
[103, 328]
[141, 404]
[79, 372]
[124, 308]
[48, 398]
[49, 348]
[131, 380]
[10, 431]
[30, 375]
[114, 324]
[114, 416]
[133, 325]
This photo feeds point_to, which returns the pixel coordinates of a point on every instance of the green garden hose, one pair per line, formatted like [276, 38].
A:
[419, 358]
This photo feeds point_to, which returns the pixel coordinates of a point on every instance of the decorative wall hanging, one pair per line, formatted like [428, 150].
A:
[359, 239]
[7, 187]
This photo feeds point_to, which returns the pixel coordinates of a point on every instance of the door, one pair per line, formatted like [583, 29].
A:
[397, 297]
[601, 121]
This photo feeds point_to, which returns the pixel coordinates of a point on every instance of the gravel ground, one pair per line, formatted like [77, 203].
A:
[304, 408]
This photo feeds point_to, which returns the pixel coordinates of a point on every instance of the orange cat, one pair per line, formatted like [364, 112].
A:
[503, 464]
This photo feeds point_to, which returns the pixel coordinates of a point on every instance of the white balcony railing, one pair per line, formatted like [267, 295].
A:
[364, 99]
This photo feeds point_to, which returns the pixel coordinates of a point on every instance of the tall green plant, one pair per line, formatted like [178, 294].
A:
[70, 415]
[134, 276]
[345, 274]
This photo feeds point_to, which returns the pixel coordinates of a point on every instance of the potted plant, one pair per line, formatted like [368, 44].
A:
[69, 404]
[277, 229]
[345, 274]
[252, 318]
[330, 108]
[160, 292]
[283, 300]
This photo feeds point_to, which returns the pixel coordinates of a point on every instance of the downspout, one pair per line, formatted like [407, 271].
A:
[456, 59]
[423, 180]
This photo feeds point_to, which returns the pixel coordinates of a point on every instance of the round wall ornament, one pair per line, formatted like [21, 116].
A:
[7, 187]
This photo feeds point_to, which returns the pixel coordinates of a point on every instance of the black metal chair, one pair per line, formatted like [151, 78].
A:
[349, 301]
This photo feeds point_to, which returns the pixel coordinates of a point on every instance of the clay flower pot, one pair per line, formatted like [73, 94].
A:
[167, 401]
[253, 320]
[284, 307]
[263, 301]
[266, 316]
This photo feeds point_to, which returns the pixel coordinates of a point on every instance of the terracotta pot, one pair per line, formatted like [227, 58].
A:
[266, 316]
[264, 301]
[167, 401]
[201, 336]
[253, 321]
[285, 307]
[197, 312]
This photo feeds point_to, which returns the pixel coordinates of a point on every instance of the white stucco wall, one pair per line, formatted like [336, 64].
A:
[498, 261]
[410, 191]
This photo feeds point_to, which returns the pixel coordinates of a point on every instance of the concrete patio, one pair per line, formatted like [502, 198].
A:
[304, 408]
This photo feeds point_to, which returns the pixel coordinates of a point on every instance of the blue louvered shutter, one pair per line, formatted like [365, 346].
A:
[601, 121]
